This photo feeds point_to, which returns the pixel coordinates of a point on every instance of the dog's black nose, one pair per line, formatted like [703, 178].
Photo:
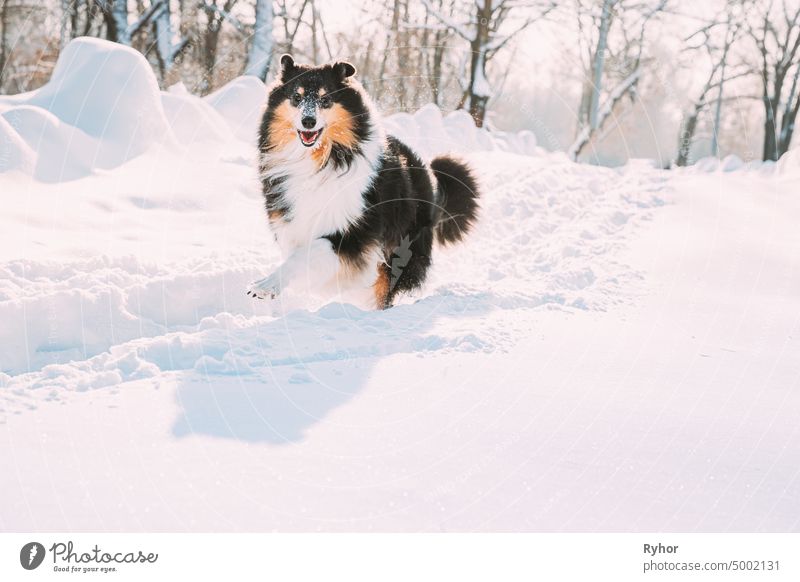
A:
[308, 122]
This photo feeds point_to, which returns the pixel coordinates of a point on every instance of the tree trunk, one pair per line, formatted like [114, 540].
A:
[365, 70]
[478, 91]
[324, 36]
[258, 59]
[210, 51]
[117, 22]
[718, 107]
[193, 51]
[3, 41]
[787, 128]
[687, 133]
[770, 130]
[91, 13]
[162, 30]
[403, 62]
[789, 116]
[436, 68]
[599, 61]
[389, 39]
[67, 8]
[423, 62]
[586, 104]
[73, 20]
[289, 48]
[478, 96]
[438, 58]
[314, 43]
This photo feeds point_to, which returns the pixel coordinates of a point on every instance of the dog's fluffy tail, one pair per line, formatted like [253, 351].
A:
[457, 201]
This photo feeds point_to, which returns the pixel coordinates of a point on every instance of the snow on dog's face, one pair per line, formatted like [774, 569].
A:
[321, 108]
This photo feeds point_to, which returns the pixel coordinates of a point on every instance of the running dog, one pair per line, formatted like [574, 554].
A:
[351, 208]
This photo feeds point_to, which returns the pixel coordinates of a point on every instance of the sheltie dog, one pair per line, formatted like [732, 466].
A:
[352, 209]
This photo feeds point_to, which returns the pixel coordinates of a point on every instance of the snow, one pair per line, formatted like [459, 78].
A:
[612, 349]
[240, 102]
[101, 108]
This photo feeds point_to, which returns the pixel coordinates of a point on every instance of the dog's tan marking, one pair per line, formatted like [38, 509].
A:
[276, 215]
[381, 287]
[281, 128]
[338, 129]
[322, 92]
[301, 90]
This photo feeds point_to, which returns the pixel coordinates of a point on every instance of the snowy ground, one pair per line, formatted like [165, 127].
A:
[611, 350]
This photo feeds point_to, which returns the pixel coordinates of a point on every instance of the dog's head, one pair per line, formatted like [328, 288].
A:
[318, 107]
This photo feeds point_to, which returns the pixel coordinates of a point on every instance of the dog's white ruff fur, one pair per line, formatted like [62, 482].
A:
[322, 202]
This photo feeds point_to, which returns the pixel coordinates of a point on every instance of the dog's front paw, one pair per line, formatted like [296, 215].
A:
[266, 288]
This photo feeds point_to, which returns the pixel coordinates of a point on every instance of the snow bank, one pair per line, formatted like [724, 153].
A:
[729, 163]
[62, 152]
[106, 90]
[102, 107]
[432, 134]
[193, 120]
[787, 165]
[119, 316]
[240, 103]
[15, 154]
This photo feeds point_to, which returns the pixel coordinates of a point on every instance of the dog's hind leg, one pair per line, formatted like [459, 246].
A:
[409, 262]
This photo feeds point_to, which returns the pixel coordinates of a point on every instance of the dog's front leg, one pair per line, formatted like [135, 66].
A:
[306, 268]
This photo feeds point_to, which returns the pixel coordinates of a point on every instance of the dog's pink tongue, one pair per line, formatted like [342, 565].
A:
[308, 136]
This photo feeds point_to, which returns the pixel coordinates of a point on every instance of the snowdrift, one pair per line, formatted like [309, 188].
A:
[431, 134]
[102, 108]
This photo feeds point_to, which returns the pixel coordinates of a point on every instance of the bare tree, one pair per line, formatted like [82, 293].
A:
[482, 31]
[715, 39]
[440, 40]
[27, 49]
[216, 15]
[291, 24]
[85, 18]
[167, 50]
[322, 32]
[613, 70]
[117, 21]
[775, 29]
[598, 60]
[387, 51]
[114, 18]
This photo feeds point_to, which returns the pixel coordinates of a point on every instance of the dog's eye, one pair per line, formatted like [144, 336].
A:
[325, 102]
[296, 98]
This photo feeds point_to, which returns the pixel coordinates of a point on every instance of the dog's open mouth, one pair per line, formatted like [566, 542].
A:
[309, 138]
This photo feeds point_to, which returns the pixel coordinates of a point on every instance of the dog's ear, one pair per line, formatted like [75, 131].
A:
[344, 69]
[287, 67]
